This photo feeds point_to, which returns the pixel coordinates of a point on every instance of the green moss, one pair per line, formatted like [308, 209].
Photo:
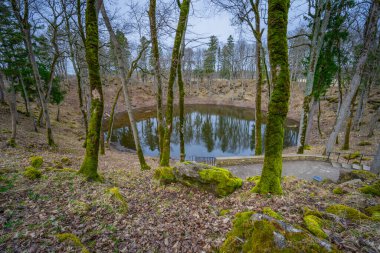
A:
[346, 212]
[74, 240]
[307, 147]
[225, 183]
[115, 193]
[338, 190]
[357, 174]
[65, 160]
[373, 209]
[373, 189]
[364, 143]
[224, 212]
[36, 161]
[313, 224]
[79, 207]
[268, 211]
[32, 173]
[248, 235]
[164, 175]
[354, 155]
[242, 227]
[255, 179]
[307, 211]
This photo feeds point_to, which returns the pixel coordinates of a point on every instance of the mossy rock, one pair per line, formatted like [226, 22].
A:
[314, 225]
[373, 189]
[307, 211]
[357, 174]
[352, 156]
[164, 175]
[255, 232]
[116, 195]
[307, 147]
[346, 212]
[32, 173]
[364, 143]
[36, 161]
[338, 191]
[268, 211]
[219, 181]
[72, 239]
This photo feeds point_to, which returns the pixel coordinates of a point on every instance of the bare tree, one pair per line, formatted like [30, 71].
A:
[369, 38]
[25, 26]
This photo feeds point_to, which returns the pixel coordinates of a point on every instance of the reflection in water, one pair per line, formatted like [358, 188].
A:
[209, 131]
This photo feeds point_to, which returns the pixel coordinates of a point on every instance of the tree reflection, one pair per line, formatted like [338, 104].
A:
[215, 131]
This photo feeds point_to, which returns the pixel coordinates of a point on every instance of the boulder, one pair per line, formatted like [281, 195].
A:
[257, 232]
[219, 181]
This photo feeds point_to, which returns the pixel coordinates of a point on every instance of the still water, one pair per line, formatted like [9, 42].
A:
[210, 130]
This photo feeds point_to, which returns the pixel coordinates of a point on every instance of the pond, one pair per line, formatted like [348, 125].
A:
[210, 131]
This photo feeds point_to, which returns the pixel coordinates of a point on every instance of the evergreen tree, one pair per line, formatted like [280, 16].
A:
[210, 57]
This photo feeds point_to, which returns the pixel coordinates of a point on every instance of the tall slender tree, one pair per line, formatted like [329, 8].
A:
[181, 26]
[369, 39]
[25, 26]
[157, 73]
[89, 166]
[125, 80]
[270, 181]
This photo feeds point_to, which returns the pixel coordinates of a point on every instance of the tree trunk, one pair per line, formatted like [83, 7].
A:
[125, 79]
[185, 6]
[13, 109]
[319, 30]
[25, 29]
[361, 107]
[370, 35]
[373, 122]
[2, 91]
[181, 92]
[319, 118]
[304, 118]
[157, 73]
[89, 166]
[110, 122]
[258, 116]
[346, 144]
[270, 181]
[310, 121]
[25, 96]
[375, 166]
[58, 113]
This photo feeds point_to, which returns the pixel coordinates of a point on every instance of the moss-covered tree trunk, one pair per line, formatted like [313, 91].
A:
[270, 181]
[185, 7]
[89, 166]
[125, 79]
[181, 91]
[157, 73]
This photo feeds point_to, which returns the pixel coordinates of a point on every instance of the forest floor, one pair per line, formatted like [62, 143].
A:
[172, 218]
